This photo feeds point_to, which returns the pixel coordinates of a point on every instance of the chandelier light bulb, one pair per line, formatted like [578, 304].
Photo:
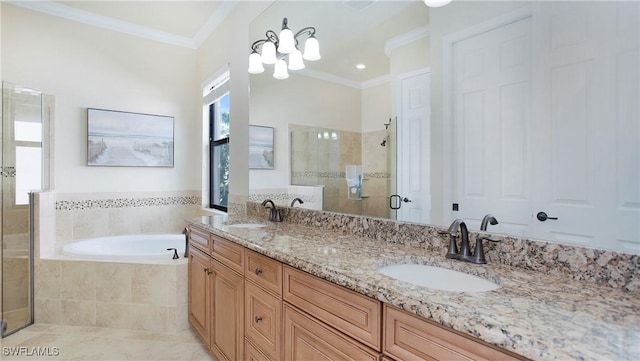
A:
[286, 44]
[255, 63]
[436, 3]
[311, 49]
[295, 60]
[280, 70]
[268, 53]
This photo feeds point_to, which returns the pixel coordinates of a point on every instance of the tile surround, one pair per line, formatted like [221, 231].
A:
[113, 294]
[151, 297]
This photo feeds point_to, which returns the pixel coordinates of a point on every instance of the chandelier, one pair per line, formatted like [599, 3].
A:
[275, 48]
[436, 3]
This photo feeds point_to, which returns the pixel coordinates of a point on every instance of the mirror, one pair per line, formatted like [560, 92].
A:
[517, 109]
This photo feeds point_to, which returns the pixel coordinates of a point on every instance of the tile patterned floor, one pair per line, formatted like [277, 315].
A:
[54, 342]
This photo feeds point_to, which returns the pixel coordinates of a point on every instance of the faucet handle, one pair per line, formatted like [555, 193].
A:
[478, 254]
[488, 237]
[277, 215]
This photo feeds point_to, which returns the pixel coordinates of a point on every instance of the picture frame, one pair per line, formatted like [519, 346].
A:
[261, 147]
[126, 139]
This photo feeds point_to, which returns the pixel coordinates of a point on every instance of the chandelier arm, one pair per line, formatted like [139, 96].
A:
[310, 31]
[273, 37]
[256, 44]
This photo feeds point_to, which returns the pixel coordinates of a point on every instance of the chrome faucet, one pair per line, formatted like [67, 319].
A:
[275, 215]
[489, 218]
[293, 202]
[452, 251]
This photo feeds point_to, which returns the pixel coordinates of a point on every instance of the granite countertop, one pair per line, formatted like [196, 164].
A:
[537, 315]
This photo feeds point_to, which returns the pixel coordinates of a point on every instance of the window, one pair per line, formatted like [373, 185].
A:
[219, 153]
[216, 118]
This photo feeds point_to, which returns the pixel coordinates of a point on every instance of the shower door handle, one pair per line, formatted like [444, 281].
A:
[400, 200]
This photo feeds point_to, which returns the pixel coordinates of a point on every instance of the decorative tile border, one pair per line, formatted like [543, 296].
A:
[8, 172]
[127, 203]
[610, 268]
[381, 175]
[310, 174]
[259, 197]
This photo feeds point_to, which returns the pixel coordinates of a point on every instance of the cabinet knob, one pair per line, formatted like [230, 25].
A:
[207, 271]
[258, 319]
[258, 271]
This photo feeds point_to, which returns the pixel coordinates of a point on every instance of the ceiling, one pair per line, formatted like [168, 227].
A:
[350, 31]
[184, 23]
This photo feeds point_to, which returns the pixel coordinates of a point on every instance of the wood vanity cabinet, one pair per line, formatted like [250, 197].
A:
[247, 306]
[216, 293]
[306, 338]
[199, 292]
[408, 337]
[263, 306]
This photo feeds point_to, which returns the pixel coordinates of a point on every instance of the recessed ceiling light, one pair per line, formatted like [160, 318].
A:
[361, 66]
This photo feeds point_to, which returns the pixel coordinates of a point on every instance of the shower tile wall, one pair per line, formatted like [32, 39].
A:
[375, 162]
[336, 194]
[350, 148]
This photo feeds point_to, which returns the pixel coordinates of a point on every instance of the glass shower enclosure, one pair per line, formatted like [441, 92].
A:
[25, 115]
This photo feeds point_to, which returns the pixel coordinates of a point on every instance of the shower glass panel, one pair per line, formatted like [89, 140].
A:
[22, 172]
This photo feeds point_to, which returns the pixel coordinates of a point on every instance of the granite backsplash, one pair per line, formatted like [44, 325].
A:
[603, 267]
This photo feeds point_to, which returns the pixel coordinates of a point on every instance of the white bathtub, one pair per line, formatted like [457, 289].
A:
[129, 247]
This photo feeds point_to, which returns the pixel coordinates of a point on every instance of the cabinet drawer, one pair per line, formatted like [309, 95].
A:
[252, 353]
[200, 239]
[408, 337]
[307, 339]
[264, 271]
[229, 253]
[263, 320]
[352, 313]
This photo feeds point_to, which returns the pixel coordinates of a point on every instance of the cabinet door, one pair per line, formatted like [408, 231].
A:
[263, 320]
[199, 268]
[307, 339]
[227, 308]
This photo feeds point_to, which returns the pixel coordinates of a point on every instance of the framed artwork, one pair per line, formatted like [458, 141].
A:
[124, 139]
[261, 150]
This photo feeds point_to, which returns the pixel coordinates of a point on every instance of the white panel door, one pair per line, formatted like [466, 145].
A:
[491, 115]
[414, 149]
[585, 109]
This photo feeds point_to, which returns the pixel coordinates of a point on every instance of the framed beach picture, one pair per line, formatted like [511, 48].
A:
[123, 139]
[260, 147]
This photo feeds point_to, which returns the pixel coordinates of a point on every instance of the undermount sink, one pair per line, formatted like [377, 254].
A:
[247, 225]
[438, 278]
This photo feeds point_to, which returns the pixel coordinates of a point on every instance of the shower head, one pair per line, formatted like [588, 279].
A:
[385, 140]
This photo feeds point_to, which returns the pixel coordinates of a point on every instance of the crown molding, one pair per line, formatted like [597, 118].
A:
[105, 22]
[330, 77]
[405, 39]
[212, 23]
[376, 81]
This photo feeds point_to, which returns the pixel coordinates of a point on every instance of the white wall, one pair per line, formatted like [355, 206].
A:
[376, 107]
[86, 66]
[230, 44]
[299, 100]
